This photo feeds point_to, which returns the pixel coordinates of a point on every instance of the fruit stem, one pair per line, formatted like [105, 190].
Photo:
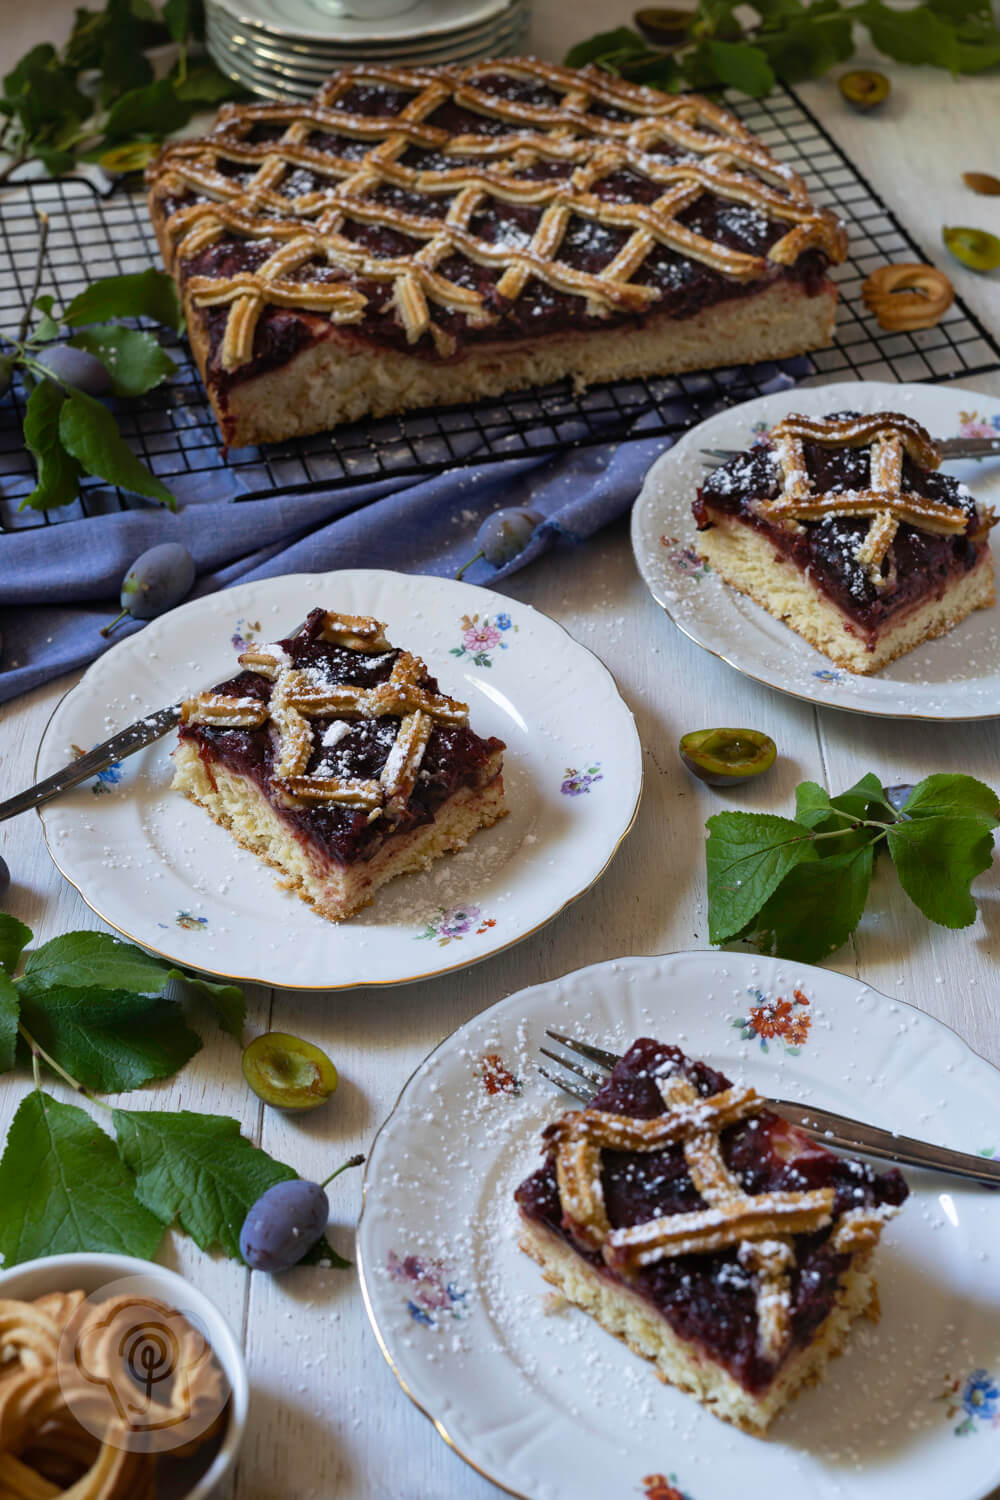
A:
[43, 220]
[107, 629]
[354, 1161]
[17, 160]
[38, 1051]
[465, 566]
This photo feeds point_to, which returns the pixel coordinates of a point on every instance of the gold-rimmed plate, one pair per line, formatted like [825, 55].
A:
[267, 71]
[549, 1406]
[956, 676]
[155, 867]
[335, 50]
[306, 21]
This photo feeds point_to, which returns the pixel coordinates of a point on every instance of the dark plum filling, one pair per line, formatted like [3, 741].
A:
[710, 1299]
[685, 285]
[922, 564]
[455, 757]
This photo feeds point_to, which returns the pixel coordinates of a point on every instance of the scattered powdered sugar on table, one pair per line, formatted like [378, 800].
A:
[457, 1151]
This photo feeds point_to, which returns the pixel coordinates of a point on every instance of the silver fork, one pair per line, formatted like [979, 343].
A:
[818, 1124]
[950, 448]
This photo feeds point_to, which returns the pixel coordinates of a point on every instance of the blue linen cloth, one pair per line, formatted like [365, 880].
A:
[59, 584]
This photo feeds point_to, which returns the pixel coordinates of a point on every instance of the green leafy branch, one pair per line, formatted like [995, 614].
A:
[97, 99]
[67, 431]
[94, 1012]
[798, 887]
[713, 46]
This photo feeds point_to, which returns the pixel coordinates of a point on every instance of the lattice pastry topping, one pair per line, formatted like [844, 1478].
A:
[304, 693]
[888, 436]
[308, 187]
[759, 1227]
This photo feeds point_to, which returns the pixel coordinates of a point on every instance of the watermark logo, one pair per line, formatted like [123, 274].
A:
[140, 1374]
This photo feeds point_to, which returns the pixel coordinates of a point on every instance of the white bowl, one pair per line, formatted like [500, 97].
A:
[64, 1273]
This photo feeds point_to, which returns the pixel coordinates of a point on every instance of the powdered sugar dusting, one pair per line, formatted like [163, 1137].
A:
[547, 1402]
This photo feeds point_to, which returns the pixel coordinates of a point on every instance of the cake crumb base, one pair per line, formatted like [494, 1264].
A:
[747, 561]
[687, 1365]
[335, 891]
[345, 378]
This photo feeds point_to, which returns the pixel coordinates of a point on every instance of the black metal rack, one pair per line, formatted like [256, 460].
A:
[174, 432]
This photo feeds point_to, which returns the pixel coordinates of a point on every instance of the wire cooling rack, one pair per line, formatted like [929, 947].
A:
[173, 430]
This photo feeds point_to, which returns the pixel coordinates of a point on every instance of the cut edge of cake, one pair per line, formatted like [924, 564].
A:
[747, 561]
[343, 378]
[683, 1363]
[335, 891]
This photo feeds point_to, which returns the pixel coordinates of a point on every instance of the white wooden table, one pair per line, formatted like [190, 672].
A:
[328, 1418]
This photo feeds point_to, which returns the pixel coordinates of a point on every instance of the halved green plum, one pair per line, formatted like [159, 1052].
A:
[287, 1072]
[864, 89]
[725, 757]
[975, 248]
[663, 27]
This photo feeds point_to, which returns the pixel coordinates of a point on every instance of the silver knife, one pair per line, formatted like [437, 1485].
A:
[126, 742]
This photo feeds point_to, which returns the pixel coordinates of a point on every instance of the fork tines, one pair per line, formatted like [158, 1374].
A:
[593, 1078]
[598, 1055]
[568, 1087]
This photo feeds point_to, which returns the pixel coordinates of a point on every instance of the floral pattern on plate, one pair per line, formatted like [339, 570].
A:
[828, 674]
[974, 424]
[188, 921]
[662, 1487]
[575, 782]
[977, 1397]
[433, 1294]
[246, 632]
[684, 559]
[787, 1021]
[456, 922]
[106, 779]
[482, 635]
[495, 1076]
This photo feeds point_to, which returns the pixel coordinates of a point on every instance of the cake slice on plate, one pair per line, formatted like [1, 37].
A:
[844, 528]
[706, 1232]
[335, 757]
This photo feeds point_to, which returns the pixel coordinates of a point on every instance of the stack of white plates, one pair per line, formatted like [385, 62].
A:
[290, 47]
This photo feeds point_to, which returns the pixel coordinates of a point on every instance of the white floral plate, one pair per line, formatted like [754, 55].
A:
[159, 870]
[954, 677]
[551, 1407]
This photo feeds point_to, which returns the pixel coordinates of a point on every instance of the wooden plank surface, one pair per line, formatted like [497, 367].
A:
[328, 1418]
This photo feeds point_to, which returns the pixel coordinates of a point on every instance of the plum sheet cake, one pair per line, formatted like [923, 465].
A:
[706, 1232]
[334, 756]
[415, 237]
[844, 528]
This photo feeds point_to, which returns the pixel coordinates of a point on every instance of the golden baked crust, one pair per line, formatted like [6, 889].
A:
[785, 533]
[387, 211]
[334, 757]
[760, 1225]
[705, 1231]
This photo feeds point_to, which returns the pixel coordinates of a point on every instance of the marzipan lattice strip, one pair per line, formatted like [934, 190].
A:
[760, 1226]
[599, 125]
[888, 436]
[301, 694]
